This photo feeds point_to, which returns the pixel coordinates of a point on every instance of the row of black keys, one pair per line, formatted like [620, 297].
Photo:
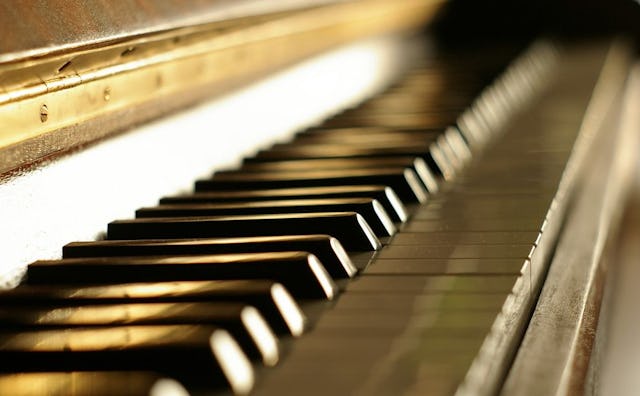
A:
[179, 288]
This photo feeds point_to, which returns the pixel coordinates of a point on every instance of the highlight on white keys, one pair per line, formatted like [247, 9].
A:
[73, 197]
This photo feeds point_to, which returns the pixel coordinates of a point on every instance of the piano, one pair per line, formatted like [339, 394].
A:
[318, 197]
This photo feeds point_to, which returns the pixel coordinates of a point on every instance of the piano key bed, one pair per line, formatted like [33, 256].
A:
[372, 254]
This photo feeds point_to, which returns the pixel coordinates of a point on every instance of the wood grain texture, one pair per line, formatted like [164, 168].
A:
[31, 28]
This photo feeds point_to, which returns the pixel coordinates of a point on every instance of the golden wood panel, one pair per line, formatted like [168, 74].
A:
[63, 92]
[37, 28]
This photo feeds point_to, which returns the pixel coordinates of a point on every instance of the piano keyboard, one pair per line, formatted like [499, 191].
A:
[370, 255]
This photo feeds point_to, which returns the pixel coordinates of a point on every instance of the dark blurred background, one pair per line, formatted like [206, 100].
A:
[463, 20]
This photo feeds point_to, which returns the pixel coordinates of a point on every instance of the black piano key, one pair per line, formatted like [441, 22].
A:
[272, 299]
[328, 249]
[358, 135]
[416, 164]
[414, 103]
[90, 383]
[422, 108]
[198, 356]
[243, 322]
[383, 194]
[362, 131]
[404, 181]
[401, 121]
[335, 146]
[301, 273]
[323, 164]
[436, 158]
[370, 209]
[360, 141]
[349, 228]
[337, 151]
